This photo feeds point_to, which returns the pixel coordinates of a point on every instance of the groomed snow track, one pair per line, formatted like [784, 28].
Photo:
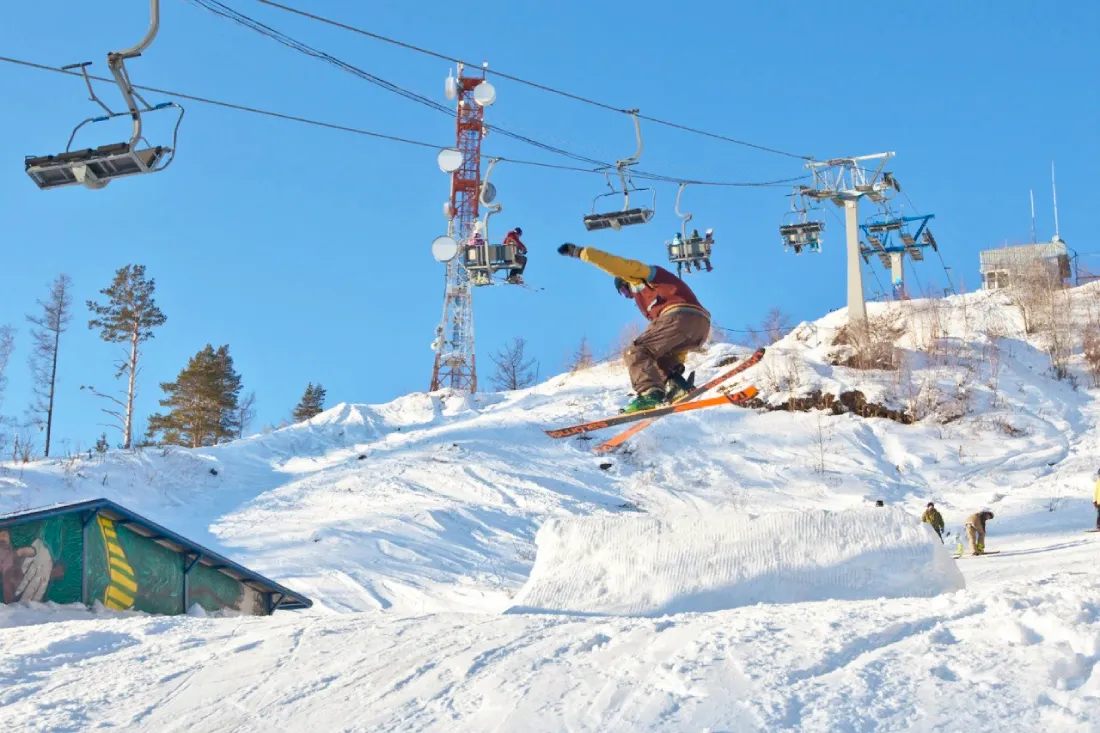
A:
[652, 566]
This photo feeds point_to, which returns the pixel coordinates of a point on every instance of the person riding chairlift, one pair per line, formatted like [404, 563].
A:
[521, 256]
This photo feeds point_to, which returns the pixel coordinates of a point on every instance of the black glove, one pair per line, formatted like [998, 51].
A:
[570, 250]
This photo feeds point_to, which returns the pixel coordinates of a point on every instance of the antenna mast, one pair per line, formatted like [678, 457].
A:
[1054, 188]
[1031, 193]
[455, 363]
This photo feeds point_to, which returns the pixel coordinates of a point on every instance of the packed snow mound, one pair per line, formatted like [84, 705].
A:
[652, 566]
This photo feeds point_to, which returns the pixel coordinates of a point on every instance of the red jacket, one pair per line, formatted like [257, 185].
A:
[656, 290]
[513, 239]
[664, 291]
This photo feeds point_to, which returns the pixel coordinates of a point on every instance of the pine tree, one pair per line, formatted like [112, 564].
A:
[129, 317]
[202, 403]
[311, 404]
[46, 340]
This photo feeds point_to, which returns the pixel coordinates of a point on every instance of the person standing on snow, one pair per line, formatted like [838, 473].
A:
[677, 324]
[933, 517]
[1096, 500]
[975, 530]
[521, 256]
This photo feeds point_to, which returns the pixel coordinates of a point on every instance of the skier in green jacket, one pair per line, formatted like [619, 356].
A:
[933, 517]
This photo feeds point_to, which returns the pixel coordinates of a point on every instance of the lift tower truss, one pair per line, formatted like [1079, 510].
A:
[455, 362]
[845, 181]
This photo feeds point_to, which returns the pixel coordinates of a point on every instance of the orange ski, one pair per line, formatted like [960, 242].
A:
[617, 440]
[732, 398]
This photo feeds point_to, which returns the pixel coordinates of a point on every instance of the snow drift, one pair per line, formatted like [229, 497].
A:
[651, 566]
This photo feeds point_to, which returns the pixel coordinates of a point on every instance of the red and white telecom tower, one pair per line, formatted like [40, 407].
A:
[455, 362]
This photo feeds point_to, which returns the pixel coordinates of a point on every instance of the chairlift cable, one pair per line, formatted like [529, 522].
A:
[939, 254]
[320, 123]
[223, 10]
[535, 85]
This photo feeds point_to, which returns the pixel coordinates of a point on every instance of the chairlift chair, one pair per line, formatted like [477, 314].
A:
[626, 216]
[96, 167]
[484, 258]
[687, 250]
[801, 232]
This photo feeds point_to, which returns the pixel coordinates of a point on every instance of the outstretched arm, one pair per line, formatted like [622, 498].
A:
[609, 263]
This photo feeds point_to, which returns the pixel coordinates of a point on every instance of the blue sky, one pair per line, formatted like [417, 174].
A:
[307, 250]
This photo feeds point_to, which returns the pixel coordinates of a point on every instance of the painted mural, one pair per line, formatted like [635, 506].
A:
[128, 571]
[213, 591]
[41, 561]
[83, 556]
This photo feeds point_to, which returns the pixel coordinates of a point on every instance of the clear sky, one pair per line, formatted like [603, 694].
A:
[307, 250]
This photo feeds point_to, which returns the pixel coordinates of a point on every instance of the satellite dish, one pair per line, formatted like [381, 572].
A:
[449, 159]
[444, 248]
[488, 193]
[485, 94]
[450, 87]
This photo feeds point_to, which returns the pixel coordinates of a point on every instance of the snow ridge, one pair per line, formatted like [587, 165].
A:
[652, 566]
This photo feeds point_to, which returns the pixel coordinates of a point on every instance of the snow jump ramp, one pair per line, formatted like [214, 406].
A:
[652, 566]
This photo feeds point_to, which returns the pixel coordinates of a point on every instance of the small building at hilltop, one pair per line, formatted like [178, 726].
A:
[99, 551]
[1001, 267]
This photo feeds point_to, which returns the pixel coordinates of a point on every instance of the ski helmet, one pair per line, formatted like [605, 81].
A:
[624, 288]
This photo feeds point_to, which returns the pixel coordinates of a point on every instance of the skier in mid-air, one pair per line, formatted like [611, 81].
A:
[677, 324]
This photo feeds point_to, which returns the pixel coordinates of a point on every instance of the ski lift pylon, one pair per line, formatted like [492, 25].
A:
[96, 167]
[626, 216]
[687, 249]
[483, 258]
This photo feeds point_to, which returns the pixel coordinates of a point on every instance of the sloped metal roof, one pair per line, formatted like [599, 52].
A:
[283, 597]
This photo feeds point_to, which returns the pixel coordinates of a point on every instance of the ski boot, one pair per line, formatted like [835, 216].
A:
[649, 400]
[676, 388]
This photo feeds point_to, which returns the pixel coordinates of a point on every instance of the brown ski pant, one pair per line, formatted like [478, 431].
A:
[976, 538]
[656, 354]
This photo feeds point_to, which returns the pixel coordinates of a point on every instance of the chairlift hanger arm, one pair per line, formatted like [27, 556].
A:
[638, 136]
[154, 26]
[116, 62]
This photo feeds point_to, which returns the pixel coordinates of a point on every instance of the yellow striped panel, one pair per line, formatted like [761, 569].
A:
[122, 581]
[114, 594]
[122, 588]
[122, 566]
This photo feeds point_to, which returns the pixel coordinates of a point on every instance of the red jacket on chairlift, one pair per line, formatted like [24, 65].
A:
[513, 238]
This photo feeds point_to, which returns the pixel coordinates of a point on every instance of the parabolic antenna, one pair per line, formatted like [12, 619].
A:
[485, 94]
[488, 193]
[449, 159]
[444, 248]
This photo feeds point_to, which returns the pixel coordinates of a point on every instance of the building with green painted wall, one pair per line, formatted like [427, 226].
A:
[98, 551]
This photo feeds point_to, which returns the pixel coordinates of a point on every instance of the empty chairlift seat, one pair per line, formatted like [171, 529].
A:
[93, 167]
[617, 219]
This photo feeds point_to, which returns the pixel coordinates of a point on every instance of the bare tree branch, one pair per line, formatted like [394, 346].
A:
[514, 370]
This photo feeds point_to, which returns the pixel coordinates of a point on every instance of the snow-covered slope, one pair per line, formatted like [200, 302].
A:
[412, 526]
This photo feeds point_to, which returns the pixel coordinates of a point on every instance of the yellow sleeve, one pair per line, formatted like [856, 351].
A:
[630, 270]
[1096, 492]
